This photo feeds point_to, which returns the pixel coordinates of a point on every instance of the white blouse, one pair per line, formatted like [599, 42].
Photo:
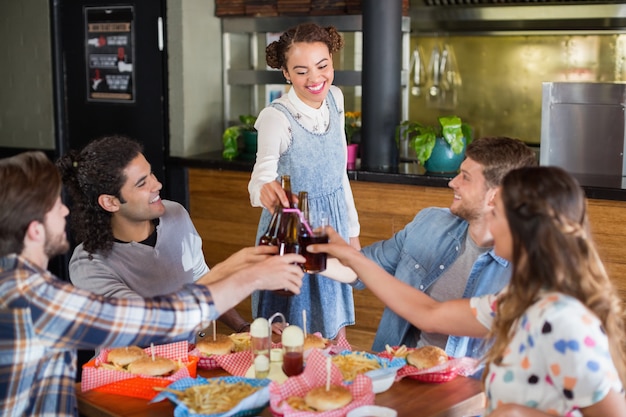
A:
[274, 138]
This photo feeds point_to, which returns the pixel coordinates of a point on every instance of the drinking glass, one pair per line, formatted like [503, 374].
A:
[315, 262]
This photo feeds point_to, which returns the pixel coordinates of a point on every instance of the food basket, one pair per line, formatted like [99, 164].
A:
[314, 375]
[94, 377]
[383, 377]
[249, 406]
[441, 373]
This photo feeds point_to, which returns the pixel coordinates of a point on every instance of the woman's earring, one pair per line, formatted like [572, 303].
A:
[288, 81]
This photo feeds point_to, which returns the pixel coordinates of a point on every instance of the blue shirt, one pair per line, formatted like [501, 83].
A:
[44, 320]
[418, 255]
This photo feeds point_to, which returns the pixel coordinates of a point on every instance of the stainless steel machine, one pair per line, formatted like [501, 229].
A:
[583, 130]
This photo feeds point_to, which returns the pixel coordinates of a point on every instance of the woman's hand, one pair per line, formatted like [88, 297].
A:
[272, 194]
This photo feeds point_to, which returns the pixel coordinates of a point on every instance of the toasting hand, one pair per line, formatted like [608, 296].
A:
[344, 256]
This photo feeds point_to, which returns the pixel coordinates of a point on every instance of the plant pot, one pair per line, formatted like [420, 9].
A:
[353, 152]
[443, 160]
[249, 144]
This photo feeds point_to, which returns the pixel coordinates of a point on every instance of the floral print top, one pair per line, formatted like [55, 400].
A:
[558, 360]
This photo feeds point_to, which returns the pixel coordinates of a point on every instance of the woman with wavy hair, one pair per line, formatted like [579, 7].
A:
[557, 330]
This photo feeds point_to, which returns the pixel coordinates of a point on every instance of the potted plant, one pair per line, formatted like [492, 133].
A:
[353, 128]
[245, 130]
[438, 148]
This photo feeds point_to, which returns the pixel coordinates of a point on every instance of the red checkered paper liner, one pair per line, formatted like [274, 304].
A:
[314, 375]
[339, 345]
[441, 373]
[238, 363]
[132, 385]
[233, 360]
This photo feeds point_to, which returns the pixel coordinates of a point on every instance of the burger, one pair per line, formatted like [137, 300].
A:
[427, 357]
[222, 345]
[314, 341]
[322, 399]
[123, 356]
[157, 366]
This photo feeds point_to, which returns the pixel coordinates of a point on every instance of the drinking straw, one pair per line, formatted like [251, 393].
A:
[328, 373]
[302, 219]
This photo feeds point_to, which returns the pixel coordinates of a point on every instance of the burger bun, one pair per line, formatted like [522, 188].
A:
[158, 366]
[427, 357]
[314, 341]
[222, 345]
[123, 356]
[322, 400]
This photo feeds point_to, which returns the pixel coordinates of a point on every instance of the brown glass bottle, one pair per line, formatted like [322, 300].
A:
[285, 182]
[273, 235]
[291, 223]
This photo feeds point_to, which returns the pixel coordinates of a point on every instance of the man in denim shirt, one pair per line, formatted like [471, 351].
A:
[447, 253]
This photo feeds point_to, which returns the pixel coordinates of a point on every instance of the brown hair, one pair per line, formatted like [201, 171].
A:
[30, 187]
[498, 155]
[553, 250]
[276, 52]
[97, 169]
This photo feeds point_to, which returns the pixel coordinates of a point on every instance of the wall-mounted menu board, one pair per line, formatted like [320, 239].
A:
[110, 53]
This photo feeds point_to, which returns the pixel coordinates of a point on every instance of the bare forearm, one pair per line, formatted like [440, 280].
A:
[233, 319]
[450, 317]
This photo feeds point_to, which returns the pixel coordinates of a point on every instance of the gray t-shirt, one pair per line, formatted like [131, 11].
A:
[133, 269]
[450, 286]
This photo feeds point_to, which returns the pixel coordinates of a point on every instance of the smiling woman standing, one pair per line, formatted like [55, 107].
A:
[301, 134]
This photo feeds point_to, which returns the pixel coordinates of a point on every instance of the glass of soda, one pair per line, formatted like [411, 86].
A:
[315, 262]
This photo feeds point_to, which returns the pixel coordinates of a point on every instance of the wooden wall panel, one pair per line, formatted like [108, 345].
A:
[221, 211]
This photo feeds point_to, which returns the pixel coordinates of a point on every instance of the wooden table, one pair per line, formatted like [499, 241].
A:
[457, 398]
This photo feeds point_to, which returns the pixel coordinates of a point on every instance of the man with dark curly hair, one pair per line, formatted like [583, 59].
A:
[132, 243]
[45, 320]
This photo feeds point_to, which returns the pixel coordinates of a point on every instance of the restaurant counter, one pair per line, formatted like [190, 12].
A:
[408, 173]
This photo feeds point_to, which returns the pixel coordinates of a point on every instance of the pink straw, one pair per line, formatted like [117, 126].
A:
[302, 219]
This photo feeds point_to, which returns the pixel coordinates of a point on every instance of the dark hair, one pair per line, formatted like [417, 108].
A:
[30, 187]
[276, 52]
[97, 169]
[498, 155]
[553, 250]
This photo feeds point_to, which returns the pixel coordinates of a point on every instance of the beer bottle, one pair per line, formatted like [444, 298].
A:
[303, 206]
[272, 235]
[285, 182]
[290, 243]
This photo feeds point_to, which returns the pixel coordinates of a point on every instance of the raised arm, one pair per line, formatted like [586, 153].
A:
[453, 317]
[273, 273]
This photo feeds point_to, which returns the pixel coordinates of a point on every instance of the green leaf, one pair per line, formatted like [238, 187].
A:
[229, 140]
[248, 121]
[452, 132]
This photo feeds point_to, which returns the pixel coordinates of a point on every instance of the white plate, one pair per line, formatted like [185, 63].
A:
[372, 411]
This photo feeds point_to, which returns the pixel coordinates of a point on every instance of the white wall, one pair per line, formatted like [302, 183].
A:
[195, 77]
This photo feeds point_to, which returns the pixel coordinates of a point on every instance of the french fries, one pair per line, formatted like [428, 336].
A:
[399, 352]
[298, 403]
[241, 341]
[353, 364]
[215, 397]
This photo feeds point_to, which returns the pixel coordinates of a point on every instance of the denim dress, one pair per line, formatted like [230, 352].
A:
[316, 163]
